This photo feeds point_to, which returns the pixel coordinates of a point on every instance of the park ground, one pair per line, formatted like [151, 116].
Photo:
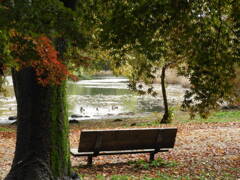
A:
[204, 149]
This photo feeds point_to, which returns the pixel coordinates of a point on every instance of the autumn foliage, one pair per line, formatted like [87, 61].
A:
[49, 69]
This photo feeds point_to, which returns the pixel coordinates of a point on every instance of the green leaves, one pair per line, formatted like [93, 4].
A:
[211, 60]
[5, 53]
[201, 36]
[42, 17]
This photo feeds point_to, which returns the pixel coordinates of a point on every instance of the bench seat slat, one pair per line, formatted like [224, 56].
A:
[75, 152]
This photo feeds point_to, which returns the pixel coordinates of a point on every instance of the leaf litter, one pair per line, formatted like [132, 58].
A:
[200, 148]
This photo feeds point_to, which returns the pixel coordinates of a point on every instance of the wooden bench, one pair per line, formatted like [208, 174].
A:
[125, 141]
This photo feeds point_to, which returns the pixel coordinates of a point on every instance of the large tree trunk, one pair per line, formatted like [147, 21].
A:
[42, 145]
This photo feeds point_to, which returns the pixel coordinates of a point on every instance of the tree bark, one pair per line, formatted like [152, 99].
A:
[42, 144]
[164, 94]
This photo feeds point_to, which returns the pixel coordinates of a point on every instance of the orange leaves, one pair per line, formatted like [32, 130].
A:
[48, 68]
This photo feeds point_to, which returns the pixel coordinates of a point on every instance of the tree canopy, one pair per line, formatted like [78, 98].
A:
[199, 38]
[30, 35]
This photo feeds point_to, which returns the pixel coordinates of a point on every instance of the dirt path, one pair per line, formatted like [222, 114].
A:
[199, 149]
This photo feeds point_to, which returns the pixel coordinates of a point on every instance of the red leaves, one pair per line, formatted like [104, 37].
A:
[48, 68]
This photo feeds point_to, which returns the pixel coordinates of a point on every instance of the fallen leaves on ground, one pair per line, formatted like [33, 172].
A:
[7, 147]
[200, 148]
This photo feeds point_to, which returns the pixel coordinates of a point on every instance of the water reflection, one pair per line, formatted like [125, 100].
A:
[99, 98]
[100, 85]
[102, 97]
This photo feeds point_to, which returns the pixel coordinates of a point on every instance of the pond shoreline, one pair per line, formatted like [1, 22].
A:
[104, 97]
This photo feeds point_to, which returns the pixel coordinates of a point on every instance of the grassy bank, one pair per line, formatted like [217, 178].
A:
[153, 119]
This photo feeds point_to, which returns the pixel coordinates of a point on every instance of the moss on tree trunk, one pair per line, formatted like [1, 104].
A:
[42, 145]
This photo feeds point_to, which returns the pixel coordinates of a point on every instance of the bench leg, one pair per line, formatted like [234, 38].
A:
[89, 163]
[151, 156]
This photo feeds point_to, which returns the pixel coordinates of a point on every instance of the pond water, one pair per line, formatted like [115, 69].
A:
[100, 98]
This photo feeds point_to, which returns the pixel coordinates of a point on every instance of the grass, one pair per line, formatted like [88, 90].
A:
[220, 116]
[5, 129]
[183, 117]
[142, 164]
[152, 120]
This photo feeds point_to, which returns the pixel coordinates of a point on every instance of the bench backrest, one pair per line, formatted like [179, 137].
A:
[126, 139]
